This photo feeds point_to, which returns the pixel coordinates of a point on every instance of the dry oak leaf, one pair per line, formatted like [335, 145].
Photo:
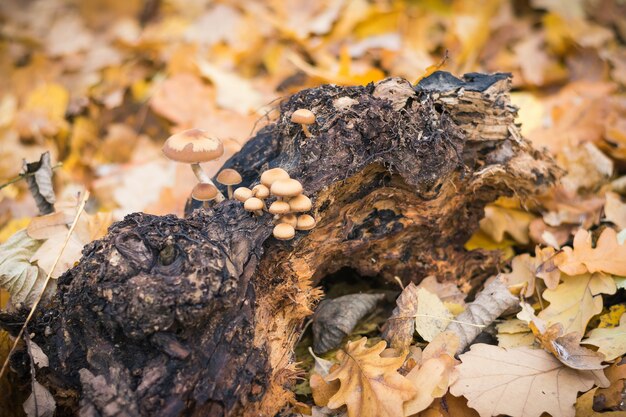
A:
[611, 396]
[520, 382]
[608, 256]
[499, 221]
[370, 384]
[610, 341]
[615, 210]
[434, 372]
[584, 407]
[576, 300]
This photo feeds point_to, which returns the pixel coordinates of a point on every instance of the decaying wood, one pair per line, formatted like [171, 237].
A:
[199, 316]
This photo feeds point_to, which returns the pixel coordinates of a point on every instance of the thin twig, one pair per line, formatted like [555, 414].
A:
[81, 208]
[22, 176]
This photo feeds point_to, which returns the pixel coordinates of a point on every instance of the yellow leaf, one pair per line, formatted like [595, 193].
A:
[499, 221]
[370, 384]
[480, 240]
[12, 227]
[610, 341]
[576, 300]
[584, 407]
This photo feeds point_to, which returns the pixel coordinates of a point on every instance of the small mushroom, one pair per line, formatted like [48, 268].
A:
[305, 222]
[229, 177]
[204, 192]
[304, 117]
[279, 207]
[286, 188]
[268, 177]
[255, 205]
[194, 146]
[242, 194]
[289, 219]
[284, 231]
[300, 203]
[260, 191]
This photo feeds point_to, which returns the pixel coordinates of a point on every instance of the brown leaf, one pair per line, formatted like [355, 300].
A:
[584, 407]
[610, 341]
[615, 210]
[611, 396]
[608, 256]
[370, 384]
[499, 221]
[521, 382]
[568, 350]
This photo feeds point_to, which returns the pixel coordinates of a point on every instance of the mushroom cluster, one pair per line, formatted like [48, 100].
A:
[287, 206]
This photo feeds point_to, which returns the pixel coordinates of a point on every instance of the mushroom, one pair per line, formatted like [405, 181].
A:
[229, 177]
[289, 219]
[274, 174]
[305, 222]
[260, 191]
[255, 205]
[286, 188]
[284, 231]
[204, 192]
[304, 117]
[194, 146]
[242, 194]
[279, 207]
[300, 203]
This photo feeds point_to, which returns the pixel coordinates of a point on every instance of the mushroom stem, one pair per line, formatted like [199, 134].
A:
[306, 131]
[230, 191]
[204, 178]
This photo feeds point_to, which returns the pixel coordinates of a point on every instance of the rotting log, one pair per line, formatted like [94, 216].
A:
[199, 316]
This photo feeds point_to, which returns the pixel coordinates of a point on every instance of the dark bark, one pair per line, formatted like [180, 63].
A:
[199, 316]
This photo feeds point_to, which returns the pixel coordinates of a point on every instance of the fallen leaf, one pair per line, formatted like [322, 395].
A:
[446, 291]
[335, 319]
[501, 221]
[611, 397]
[40, 183]
[608, 255]
[40, 403]
[567, 349]
[514, 333]
[615, 210]
[520, 382]
[370, 384]
[489, 304]
[522, 275]
[18, 275]
[610, 341]
[584, 407]
[576, 300]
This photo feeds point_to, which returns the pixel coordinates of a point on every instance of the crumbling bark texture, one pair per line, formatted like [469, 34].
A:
[199, 316]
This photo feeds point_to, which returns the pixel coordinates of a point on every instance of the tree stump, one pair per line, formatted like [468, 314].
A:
[199, 316]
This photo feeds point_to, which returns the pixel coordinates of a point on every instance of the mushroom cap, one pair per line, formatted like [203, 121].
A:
[300, 203]
[253, 204]
[260, 191]
[274, 174]
[228, 176]
[192, 146]
[284, 231]
[303, 117]
[289, 219]
[279, 207]
[286, 188]
[204, 192]
[305, 222]
[242, 194]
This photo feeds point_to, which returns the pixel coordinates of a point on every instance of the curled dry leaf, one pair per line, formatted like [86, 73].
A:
[334, 319]
[520, 382]
[610, 341]
[489, 304]
[40, 183]
[576, 300]
[40, 403]
[608, 255]
[370, 384]
[18, 275]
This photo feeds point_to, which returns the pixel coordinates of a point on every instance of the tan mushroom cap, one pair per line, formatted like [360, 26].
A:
[286, 188]
[253, 204]
[204, 192]
[279, 207]
[284, 231]
[303, 117]
[300, 203]
[289, 219]
[305, 222]
[228, 176]
[193, 146]
[260, 191]
[242, 194]
[274, 174]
